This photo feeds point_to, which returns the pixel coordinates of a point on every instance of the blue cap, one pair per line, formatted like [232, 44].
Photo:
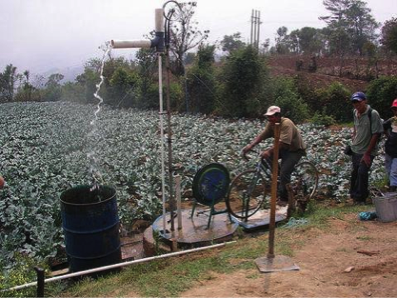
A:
[359, 96]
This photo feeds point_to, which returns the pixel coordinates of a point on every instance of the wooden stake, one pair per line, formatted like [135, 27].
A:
[277, 132]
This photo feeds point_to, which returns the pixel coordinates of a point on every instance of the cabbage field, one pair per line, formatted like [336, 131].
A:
[47, 148]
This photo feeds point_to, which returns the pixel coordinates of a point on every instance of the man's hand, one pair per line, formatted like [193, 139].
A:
[246, 149]
[266, 154]
[2, 182]
[366, 159]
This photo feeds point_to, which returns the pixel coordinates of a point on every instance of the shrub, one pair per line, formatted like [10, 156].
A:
[201, 81]
[323, 119]
[335, 102]
[287, 98]
[381, 92]
[21, 273]
[242, 78]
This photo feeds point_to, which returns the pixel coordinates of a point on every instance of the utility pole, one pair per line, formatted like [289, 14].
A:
[255, 29]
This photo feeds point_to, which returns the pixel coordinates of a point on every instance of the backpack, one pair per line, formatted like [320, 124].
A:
[370, 118]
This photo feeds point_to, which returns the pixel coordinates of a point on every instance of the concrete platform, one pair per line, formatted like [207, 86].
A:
[194, 230]
[261, 219]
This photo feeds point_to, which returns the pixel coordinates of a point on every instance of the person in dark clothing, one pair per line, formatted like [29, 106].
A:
[390, 130]
[367, 130]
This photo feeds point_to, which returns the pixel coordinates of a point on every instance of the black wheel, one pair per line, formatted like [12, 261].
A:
[304, 182]
[210, 184]
[246, 194]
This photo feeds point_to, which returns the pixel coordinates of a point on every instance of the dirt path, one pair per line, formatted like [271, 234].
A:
[323, 258]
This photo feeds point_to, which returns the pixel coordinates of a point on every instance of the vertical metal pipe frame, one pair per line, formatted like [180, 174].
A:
[169, 131]
[162, 137]
[178, 197]
[157, 43]
[169, 143]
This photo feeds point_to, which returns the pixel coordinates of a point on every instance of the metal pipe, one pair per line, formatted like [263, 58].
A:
[160, 72]
[109, 267]
[178, 197]
[274, 186]
[169, 143]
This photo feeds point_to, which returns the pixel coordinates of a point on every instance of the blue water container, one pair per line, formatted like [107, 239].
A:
[91, 227]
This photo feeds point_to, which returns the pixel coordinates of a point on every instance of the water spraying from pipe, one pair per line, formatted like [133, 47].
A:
[95, 173]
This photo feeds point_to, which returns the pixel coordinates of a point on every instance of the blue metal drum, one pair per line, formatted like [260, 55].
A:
[91, 227]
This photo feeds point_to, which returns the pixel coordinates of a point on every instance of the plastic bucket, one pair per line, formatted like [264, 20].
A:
[386, 207]
[91, 227]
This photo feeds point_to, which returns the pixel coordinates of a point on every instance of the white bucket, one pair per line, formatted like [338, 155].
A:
[386, 207]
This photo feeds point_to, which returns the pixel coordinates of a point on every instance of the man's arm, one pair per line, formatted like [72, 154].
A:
[372, 145]
[267, 153]
[262, 136]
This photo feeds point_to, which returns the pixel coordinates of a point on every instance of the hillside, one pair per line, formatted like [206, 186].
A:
[355, 72]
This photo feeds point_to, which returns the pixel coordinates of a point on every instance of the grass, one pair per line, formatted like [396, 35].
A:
[172, 276]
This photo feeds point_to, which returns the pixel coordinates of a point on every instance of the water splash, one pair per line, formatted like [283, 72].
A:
[96, 94]
[95, 173]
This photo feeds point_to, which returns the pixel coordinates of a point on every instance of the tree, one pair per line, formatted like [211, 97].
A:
[232, 42]
[361, 26]
[7, 83]
[184, 36]
[243, 84]
[351, 26]
[147, 70]
[337, 23]
[389, 36]
[25, 89]
[201, 81]
[381, 92]
[282, 44]
[310, 40]
[265, 45]
[53, 91]
[123, 84]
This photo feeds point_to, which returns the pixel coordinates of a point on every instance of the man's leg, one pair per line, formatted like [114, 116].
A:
[393, 175]
[355, 158]
[363, 182]
[387, 164]
[289, 160]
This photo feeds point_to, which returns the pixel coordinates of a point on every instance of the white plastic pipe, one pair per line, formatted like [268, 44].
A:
[114, 266]
[128, 44]
[159, 20]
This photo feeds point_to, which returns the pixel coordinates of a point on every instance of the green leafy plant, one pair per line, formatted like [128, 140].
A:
[45, 152]
[381, 93]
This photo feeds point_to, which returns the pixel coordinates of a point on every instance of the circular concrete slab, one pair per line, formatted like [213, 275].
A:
[194, 230]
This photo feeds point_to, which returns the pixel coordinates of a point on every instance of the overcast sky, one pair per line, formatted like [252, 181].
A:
[38, 35]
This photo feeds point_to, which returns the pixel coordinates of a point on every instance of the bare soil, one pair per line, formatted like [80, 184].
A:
[355, 73]
[352, 258]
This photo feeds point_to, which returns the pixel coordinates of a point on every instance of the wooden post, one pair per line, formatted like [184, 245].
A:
[277, 131]
[40, 281]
